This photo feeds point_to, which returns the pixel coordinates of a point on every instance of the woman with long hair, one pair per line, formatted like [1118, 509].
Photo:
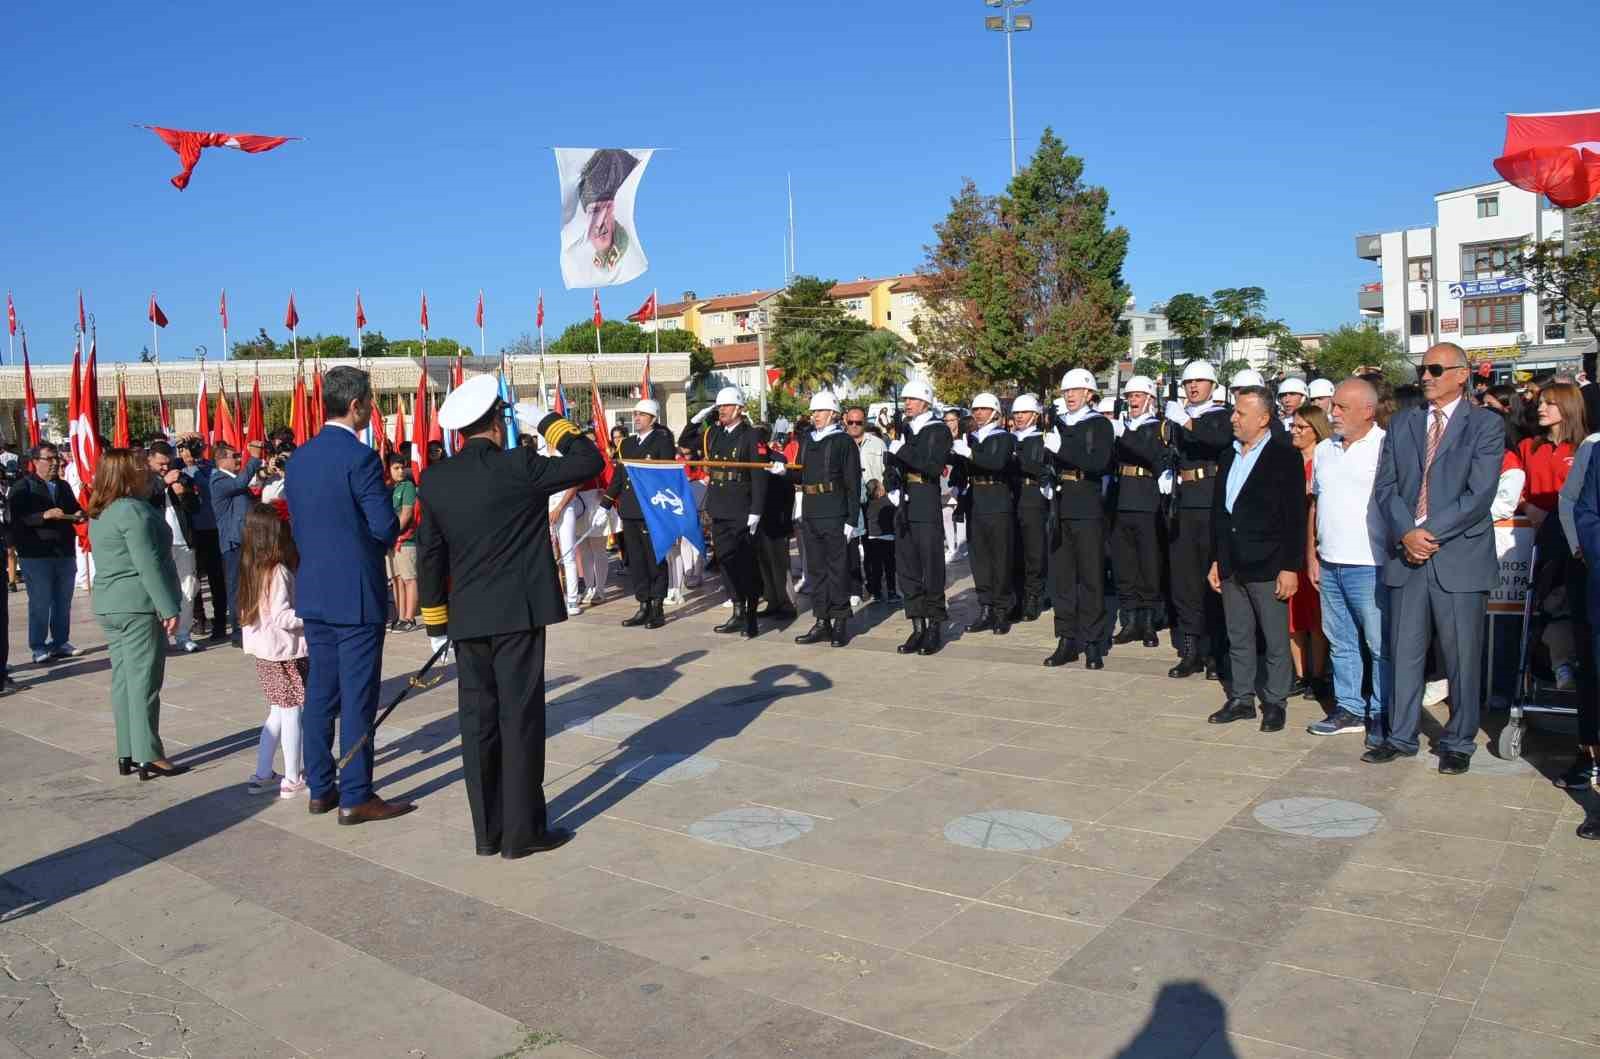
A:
[275, 635]
[1546, 461]
[1308, 646]
[136, 601]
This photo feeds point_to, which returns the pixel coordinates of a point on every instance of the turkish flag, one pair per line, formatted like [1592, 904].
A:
[361, 316]
[162, 413]
[157, 317]
[11, 314]
[538, 316]
[82, 320]
[299, 415]
[480, 308]
[30, 403]
[424, 310]
[291, 318]
[597, 317]
[1556, 155]
[188, 144]
[119, 428]
[420, 428]
[222, 309]
[647, 311]
[602, 429]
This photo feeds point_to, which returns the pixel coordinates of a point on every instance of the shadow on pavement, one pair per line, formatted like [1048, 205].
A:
[1186, 1017]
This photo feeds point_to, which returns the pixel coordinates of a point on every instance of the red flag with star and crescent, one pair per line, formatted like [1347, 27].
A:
[291, 318]
[222, 309]
[11, 314]
[189, 143]
[157, 317]
[424, 310]
[1556, 155]
[361, 316]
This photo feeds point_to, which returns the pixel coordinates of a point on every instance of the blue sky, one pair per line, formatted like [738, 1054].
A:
[1245, 143]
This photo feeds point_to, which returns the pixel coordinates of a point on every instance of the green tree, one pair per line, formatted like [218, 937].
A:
[1150, 363]
[1028, 283]
[782, 403]
[1568, 278]
[878, 362]
[620, 336]
[1354, 346]
[1191, 318]
[1239, 313]
[807, 362]
[1288, 353]
[373, 344]
[1229, 369]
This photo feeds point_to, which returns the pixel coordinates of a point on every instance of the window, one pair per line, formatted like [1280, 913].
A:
[1486, 261]
[1149, 323]
[888, 314]
[1491, 316]
[1488, 206]
[1421, 322]
[1419, 269]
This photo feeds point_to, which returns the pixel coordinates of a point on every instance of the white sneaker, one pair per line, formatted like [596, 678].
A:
[590, 596]
[573, 610]
[674, 599]
[1435, 692]
[190, 647]
[727, 604]
[290, 788]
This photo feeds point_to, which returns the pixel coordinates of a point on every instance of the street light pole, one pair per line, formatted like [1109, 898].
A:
[1009, 23]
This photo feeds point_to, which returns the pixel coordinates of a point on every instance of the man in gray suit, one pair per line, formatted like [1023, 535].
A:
[1436, 479]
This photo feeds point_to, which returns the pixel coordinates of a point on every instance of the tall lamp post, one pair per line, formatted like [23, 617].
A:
[1009, 23]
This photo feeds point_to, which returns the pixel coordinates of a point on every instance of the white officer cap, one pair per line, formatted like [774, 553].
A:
[986, 400]
[469, 402]
[1107, 406]
[1320, 388]
[649, 407]
[917, 390]
[1141, 384]
[1292, 386]
[1079, 379]
[1247, 377]
[1026, 403]
[730, 395]
[1199, 371]
[824, 401]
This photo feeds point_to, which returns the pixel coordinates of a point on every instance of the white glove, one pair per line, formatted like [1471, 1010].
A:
[1165, 482]
[1176, 414]
[528, 416]
[849, 533]
[1117, 427]
[1052, 442]
[601, 519]
[961, 448]
[894, 498]
[436, 642]
[700, 416]
[751, 523]
[778, 468]
[897, 444]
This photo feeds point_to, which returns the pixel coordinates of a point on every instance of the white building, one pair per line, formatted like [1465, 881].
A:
[1146, 326]
[1448, 283]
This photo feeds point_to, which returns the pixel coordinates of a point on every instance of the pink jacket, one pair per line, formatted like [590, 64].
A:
[277, 634]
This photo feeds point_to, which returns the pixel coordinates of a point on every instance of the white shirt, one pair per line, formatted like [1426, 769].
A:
[1341, 480]
[342, 425]
[918, 423]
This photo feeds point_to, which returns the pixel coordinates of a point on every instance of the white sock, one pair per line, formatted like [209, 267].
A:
[293, 766]
[268, 748]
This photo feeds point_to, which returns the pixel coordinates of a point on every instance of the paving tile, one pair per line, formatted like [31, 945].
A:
[1552, 922]
[1005, 941]
[1442, 1030]
[1084, 895]
[799, 964]
[925, 1000]
[789, 1032]
[1533, 995]
[1470, 968]
[1057, 1019]
[1309, 1010]
[1416, 958]
[1122, 849]
[1171, 814]
[1489, 1040]
[661, 1011]
[1405, 897]
[1434, 854]
[883, 913]
[682, 931]
[772, 887]
[1136, 960]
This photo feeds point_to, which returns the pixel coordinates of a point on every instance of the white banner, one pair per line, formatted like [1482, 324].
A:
[599, 245]
[1513, 543]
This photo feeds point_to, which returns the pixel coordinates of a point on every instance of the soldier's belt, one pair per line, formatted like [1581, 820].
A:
[729, 476]
[914, 478]
[1198, 474]
[987, 481]
[1134, 470]
[813, 490]
[1072, 475]
[1031, 479]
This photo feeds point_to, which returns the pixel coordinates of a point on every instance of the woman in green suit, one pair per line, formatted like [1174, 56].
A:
[136, 601]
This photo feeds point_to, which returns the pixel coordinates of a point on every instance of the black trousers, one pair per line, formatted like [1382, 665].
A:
[919, 565]
[736, 559]
[1136, 559]
[772, 560]
[647, 577]
[829, 573]
[208, 564]
[853, 566]
[1028, 554]
[230, 562]
[989, 541]
[880, 565]
[1078, 579]
[501, 706]
[1199, 610]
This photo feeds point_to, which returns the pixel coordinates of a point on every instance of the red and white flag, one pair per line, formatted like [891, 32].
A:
[361, 316]
[119, 426]
[538, 316]
[189, 144]
[597, 317]
[222, 309]
[11, 314]
[291, 318]
[157, 317]
[647, 311]
[202, 411]
[424, 311]
[84, 430]
[83, 325]
[480, 308]
[1556, 155]
[30, 403]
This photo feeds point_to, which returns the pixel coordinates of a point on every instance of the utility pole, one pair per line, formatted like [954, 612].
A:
[1009, 23]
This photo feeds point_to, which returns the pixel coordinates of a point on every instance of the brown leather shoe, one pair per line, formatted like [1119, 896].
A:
[374, 809]
[318, 806]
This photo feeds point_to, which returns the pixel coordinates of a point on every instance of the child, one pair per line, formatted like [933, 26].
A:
[275, 635]
[880, 544]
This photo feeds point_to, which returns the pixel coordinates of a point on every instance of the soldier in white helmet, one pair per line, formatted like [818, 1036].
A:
[1292, 393]
[735, 499]
[830, 511]
[1081, 447]
[649, 441]
[1320, 393]
[920, 455]
[1201, 433]
[987, 456]
[1035, 488]
[1142, 454]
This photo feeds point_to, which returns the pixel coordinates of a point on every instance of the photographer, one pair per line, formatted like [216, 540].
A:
[44, 519]
[173, 495]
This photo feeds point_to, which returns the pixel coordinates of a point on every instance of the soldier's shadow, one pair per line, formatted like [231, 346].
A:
[668, 748]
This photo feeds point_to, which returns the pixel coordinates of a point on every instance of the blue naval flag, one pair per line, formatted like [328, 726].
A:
[668, 506]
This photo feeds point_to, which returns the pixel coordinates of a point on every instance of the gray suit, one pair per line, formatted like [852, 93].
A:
[1444, 598]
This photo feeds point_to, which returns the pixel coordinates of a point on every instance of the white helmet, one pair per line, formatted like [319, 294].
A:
[986, 400]
[917, 390]
[1026, 403]
[649, 406]
[730, 395]
[1320, 388]
[824, 401]
[1141, 384]
[1107, 406]
[1246, 377]
[1199, 371]
[1079, 379]
[1292, 386]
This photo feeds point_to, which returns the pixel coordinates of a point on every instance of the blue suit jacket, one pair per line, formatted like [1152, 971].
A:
[1461, 486]
[1586, 517]
[343, 522]
[230, 500]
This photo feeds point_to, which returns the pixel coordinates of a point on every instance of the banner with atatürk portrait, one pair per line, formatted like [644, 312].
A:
[599, 245]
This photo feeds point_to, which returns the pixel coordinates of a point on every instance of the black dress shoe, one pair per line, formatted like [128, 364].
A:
[1382, 755]
[1030, 610]
[1237, 709]
[1590, 828]
[1187, 666]
[1211, 670]
[1583, 775]
[1130, 629]
[752, 628]
[735, 622]
[124, 766]
[1453, 762]
[1066, 652]
[554, 838]
[919, 629]
[639, 617]
[841, 632]
[1002, 626]
[985, 621]
[658, 615]
[487, 851]
[1272, 717]
[931, 640]
[818, 632]
[1092, 658]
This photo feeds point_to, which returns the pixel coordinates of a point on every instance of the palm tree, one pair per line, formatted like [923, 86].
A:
[878, 362]
[806, 361]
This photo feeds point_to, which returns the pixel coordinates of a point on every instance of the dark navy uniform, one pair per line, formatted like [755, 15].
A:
[1135, 543]
[486, 577]
[1196, 450]
[648, 577]
[1078, 563]
[830, 487]
[1035, 470]
[991, 511]
[919, 518]
[732, 496]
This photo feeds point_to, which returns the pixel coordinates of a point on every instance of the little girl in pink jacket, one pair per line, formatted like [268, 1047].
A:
[274, 634]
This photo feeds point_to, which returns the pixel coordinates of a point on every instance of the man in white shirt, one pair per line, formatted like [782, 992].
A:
[1346, 553]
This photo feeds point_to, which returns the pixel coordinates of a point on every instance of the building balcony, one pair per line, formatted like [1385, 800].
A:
[1369, 247]
[1370, 298]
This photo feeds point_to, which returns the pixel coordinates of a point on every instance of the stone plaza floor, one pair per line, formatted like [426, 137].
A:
[790, 851]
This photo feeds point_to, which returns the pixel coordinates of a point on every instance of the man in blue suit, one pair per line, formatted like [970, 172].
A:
[230, 500]
[1436, 479]
[343, 525]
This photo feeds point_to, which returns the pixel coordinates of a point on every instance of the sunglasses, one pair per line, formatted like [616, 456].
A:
[855, 422]
[1436, 370]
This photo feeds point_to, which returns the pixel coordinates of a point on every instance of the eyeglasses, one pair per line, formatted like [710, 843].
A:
[1436, 370]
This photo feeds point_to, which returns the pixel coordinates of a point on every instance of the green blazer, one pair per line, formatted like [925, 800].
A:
[133, 568]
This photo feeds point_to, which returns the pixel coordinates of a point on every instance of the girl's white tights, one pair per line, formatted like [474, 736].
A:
[282, 726]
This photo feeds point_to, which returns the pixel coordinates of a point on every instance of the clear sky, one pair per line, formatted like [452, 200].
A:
[1242, 143]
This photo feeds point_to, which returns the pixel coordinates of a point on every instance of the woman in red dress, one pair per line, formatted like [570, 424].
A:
[1308, 647]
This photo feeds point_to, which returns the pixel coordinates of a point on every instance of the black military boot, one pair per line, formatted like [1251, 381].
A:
[931, 641]
[1066, 651]
[1191, 662]
[1130, 628]
[640, 616]
[820, 631]
[752, 629]
[1030, 609]
[841, 634]
[919, 629]
[658, 615]
[734, 623]
[1147, 627]
[985, 621]
[1092, 658]
[1002, 623]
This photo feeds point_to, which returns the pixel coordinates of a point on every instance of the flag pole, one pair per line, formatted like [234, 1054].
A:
[155, 338]
[483, 346]
[655, 317]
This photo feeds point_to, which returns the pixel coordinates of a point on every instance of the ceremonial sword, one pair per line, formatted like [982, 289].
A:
[415, 681]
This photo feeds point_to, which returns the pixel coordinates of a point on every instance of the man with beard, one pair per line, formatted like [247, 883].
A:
[735, 498]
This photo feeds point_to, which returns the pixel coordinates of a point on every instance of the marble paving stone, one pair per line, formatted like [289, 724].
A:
[1522, 992]
[1488, 1040]
[1321, 818]
[1084, 895]
[1136, 960]
[1307, 1010]
[925, 1000]
[1005, 941]
[1016, 830]
[755, 827]
[1375, 950]
[792, 1032]
[884, 913]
